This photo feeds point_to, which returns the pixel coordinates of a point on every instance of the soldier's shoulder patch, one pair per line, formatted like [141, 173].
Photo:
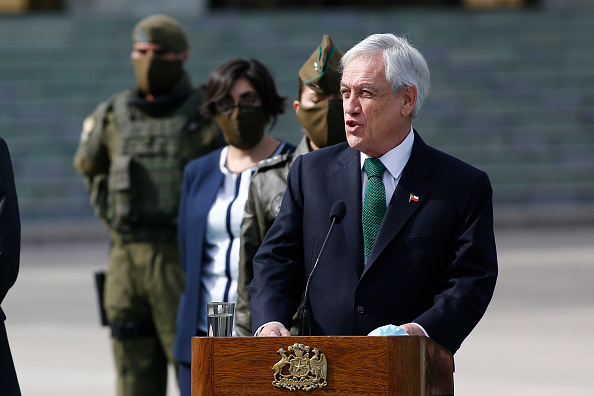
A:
[88, 126]
[273, 162]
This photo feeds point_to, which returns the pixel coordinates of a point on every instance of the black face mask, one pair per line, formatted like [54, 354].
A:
[324, 122]
[156, 76]
[244, 127]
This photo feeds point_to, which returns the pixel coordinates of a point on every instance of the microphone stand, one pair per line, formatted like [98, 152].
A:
[305, 328]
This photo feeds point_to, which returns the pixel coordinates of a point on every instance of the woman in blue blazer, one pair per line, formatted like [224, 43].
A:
[242, 96]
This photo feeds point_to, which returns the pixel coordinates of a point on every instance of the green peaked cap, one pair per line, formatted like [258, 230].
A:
[320, 72]
[163, 30]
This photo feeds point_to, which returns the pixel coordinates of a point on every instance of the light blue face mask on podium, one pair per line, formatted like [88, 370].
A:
[388, 330]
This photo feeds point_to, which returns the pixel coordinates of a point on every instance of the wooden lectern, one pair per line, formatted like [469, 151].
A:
[397, 365]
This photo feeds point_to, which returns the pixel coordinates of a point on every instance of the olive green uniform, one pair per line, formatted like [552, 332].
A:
[132, 154]
[264, 199]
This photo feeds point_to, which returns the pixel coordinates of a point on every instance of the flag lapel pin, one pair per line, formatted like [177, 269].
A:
[413, 198]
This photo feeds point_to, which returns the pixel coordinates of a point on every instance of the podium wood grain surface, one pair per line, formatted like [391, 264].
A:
[399, 366]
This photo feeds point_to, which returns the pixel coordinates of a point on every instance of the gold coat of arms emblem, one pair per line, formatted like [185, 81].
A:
[303, 372]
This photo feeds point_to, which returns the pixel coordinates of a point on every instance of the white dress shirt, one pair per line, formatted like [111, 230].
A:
[394, 161]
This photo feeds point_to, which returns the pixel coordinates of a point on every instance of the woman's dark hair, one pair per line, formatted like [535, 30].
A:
[222, 78]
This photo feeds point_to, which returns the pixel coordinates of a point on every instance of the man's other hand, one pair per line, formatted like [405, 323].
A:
[412, 329]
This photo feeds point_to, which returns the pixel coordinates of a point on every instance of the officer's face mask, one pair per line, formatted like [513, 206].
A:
[156, 76]
[324, 122]
[243, 127]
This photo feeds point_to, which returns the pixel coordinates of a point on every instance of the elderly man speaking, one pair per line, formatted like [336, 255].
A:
[416, 246]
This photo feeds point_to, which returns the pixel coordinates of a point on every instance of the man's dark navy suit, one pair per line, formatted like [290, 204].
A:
[433, 263]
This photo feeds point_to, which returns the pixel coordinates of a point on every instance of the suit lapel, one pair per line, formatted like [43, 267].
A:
[349, 189]
[408, 197]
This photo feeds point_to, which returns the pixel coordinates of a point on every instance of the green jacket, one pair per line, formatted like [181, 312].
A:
[262, 206]
[132, 154]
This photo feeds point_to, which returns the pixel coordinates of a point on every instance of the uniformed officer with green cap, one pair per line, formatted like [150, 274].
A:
[132, 153]
[319, 109]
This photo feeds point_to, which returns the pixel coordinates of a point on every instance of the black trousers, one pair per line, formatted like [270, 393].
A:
[9, 383]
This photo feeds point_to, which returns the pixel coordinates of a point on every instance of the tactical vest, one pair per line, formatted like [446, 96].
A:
[145, 177]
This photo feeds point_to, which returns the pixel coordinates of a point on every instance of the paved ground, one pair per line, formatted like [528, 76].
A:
[534, 340]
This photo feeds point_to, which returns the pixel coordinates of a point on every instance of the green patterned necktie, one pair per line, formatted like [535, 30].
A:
[374, 203]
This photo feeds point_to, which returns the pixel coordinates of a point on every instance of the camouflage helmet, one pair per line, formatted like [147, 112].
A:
[163, 30]
[321, 71]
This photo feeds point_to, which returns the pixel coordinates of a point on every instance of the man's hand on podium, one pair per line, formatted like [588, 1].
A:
[274, 329]
[413, 329]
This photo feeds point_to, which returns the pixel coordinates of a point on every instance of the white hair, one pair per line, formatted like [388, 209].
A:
[404, 64]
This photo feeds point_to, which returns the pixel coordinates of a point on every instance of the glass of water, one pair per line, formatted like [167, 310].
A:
[219, 317]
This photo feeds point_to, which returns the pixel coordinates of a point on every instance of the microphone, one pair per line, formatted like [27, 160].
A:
[337, 213]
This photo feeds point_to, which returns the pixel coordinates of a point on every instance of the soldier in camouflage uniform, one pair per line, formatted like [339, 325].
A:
[132, 153]
[319, 109]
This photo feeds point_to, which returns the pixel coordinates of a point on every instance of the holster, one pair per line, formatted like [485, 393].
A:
[132, 329]
[100, 287]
